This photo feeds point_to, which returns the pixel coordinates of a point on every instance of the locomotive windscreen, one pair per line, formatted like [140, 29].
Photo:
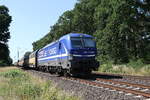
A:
[80, 42]
[89, 42]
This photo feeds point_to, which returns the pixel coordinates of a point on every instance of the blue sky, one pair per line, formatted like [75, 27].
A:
[31, 20]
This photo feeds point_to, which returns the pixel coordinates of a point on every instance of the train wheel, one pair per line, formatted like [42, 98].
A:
[60, 71]
[37, 68]
[66, 73]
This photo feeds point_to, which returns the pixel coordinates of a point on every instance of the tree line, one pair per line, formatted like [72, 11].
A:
[121, 28]
[5, 20]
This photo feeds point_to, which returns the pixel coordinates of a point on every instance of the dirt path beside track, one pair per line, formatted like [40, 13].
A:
[3, 69]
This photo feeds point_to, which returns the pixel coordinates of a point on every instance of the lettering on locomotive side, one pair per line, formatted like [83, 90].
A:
[52, 51]
[49, 52]
[41, 53]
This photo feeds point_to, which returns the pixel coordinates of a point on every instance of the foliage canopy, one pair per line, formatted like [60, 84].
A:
[121, 28]
[5, 20]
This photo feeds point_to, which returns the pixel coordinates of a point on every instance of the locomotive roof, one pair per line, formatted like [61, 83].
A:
[67, 36]
[76, 35]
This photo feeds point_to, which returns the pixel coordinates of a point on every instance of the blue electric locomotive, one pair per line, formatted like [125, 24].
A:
[72, 54]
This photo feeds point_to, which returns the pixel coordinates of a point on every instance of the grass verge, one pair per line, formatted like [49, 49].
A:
[132, 68]
[18, 85]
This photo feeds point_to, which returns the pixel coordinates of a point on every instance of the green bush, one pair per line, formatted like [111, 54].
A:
[3, 63]
[133, 68]
[29, 90]
[136, 63]
[106, 67]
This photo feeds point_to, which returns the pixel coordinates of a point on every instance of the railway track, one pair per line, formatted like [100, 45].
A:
[130, 85]
[145, 78]
[137, 89]
[116, 86]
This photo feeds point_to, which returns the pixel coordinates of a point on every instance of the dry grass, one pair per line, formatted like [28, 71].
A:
[132, 68]
[124, 69]
[7, 68]
[18, 85]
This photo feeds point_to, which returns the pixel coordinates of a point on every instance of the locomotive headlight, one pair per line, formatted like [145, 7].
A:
[70, 57]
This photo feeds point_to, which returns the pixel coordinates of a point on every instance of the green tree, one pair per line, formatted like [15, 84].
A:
[48, 38]
[5, 20]
[83, 20]
[121, 28]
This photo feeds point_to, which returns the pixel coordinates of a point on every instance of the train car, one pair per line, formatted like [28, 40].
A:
[33, 59]
[72, 54]
[20, 62]
[24, 62]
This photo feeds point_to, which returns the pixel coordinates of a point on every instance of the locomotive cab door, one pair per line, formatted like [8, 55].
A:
[60, 53]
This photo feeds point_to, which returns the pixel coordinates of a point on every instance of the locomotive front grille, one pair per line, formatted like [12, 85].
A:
[84, 64]
[80, 63]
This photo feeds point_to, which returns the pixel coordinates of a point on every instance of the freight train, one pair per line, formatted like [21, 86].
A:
[72, 54]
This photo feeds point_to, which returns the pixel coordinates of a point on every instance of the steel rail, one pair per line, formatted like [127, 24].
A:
[124, 83]
[146, 78]
[91, 83]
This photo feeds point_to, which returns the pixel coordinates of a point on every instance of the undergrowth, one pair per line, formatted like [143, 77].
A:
[132, 68]
[18, 85]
